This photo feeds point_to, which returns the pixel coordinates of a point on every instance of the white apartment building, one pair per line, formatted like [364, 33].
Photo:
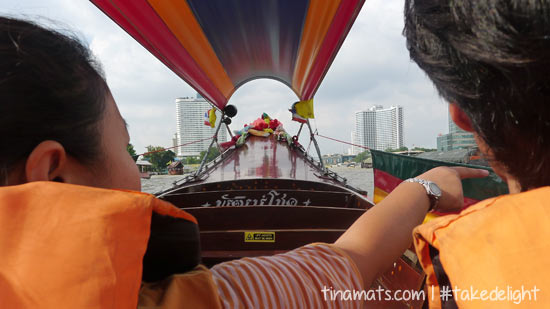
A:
[190, 126]
[378, 128]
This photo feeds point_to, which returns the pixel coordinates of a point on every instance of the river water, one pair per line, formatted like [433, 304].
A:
[361, 178]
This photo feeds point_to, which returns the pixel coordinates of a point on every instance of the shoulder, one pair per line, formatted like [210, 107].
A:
[488, 215]
[487, 244]
[437, 226]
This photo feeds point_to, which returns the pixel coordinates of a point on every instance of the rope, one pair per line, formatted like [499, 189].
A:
[344, 142]
[164, 149]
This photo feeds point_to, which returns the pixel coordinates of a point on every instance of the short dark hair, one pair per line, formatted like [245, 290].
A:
[492, 58]
[51, 88]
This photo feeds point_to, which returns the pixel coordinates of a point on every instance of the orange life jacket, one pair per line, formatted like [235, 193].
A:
[500, 244]
[69, 246]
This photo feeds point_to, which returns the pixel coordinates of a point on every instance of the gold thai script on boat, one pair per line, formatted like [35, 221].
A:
[272, 198]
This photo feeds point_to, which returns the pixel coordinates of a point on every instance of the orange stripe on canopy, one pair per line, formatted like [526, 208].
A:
[318, 21]
[178, 17]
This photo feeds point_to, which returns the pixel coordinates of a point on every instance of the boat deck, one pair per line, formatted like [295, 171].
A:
[265, 172]
[264, 157]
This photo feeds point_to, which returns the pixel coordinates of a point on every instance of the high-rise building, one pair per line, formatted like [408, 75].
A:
[353, 149]
[365, 129]
[175, 141]
[456, 139]
[190, 126]
[378, 128]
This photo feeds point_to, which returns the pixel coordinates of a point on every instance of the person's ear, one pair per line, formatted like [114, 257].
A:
[460, 118]
[46, 162]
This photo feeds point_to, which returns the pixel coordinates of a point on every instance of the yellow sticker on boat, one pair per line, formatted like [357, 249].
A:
[259, 236]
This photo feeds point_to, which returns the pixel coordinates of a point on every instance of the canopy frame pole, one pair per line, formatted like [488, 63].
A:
[214, 140]
[228, 130]
[300, 130]
[312, 136]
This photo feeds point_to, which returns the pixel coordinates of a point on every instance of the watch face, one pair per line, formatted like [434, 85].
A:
[435, 189]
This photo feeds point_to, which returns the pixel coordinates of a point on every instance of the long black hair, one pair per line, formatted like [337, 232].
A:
[492, 58]
[51, 88]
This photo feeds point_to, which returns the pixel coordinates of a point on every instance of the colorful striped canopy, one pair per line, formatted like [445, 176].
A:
[218, 45]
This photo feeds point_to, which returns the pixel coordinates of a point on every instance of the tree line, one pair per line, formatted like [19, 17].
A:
[160, 158]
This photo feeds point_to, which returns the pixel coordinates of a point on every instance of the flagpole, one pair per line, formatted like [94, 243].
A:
[316, 146]
[300, 130]
[214, 140]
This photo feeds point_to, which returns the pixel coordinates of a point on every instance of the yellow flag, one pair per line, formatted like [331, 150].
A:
[212, 117]
[305, 108]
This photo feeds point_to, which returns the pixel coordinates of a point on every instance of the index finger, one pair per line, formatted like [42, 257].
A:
[466, 172]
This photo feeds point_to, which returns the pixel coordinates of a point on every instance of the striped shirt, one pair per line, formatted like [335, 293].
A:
[295, 279]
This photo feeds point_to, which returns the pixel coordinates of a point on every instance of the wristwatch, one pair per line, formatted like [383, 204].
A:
[433, 191]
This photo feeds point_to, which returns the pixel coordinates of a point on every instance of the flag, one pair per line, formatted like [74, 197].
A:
[302, 110]
[296, 117]
[210, 117]
[305, 108]
[391, 169]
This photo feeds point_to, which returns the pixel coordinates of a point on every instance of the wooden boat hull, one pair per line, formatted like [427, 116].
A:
[266, 186]
[268, 198]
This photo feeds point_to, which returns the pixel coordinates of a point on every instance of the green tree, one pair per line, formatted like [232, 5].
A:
[191, 160]
[212, 154]
[131, 150]
[362, 156]
[397, 150]
[159, 157]
[424, 149]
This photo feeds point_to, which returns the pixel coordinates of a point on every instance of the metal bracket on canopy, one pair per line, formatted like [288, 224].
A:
[214, 140]
[312, 136]
[228, 130]
[300, 130]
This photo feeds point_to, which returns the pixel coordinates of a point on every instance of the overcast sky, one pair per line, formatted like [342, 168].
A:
[371, 68]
